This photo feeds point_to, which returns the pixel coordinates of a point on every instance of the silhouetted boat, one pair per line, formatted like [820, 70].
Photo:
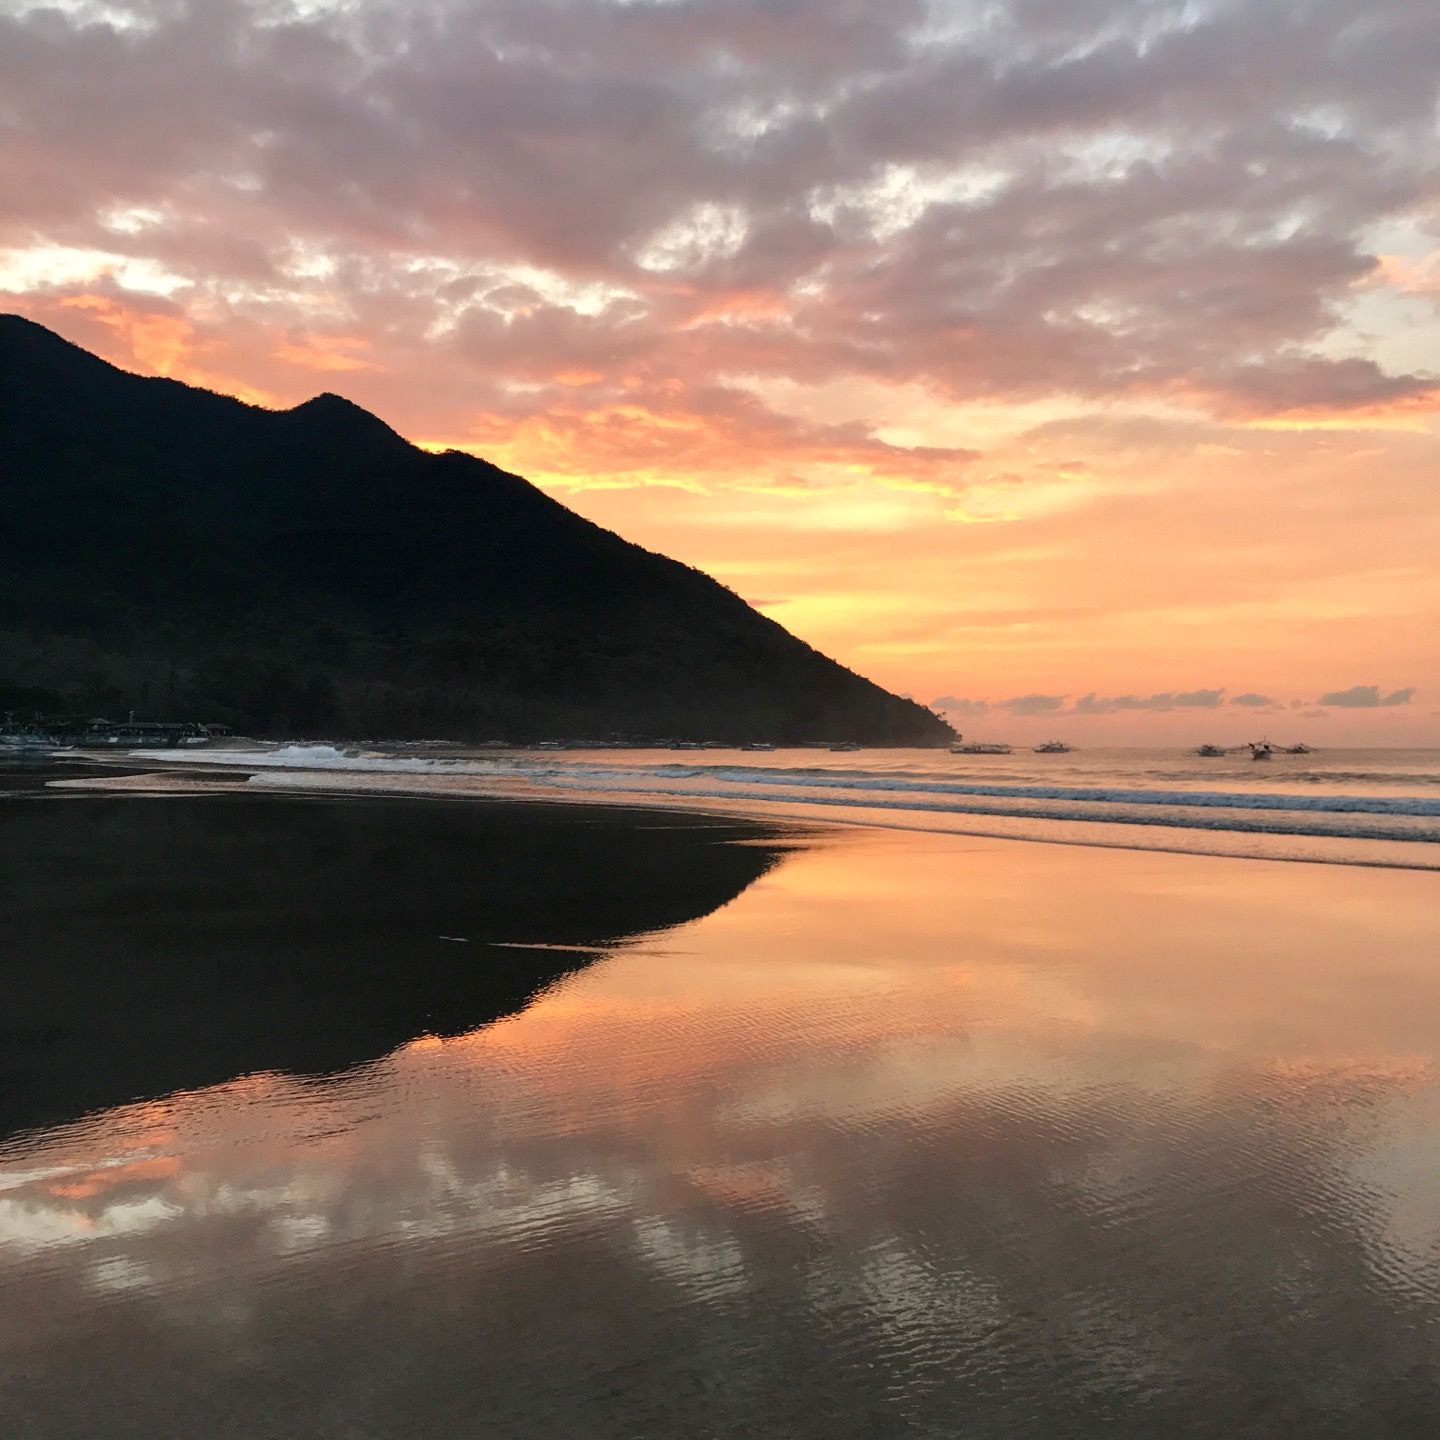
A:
[977, 747]
[758, 745]
[1261, 749]
[1210, 750]
[1301, 749]
[1054, 747]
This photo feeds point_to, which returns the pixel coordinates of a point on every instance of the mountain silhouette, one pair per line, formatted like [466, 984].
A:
[184, 554]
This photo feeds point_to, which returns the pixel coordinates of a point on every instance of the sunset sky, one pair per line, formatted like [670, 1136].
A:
[1075, 363]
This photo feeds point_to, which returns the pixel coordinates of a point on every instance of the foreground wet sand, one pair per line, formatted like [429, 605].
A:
[161, 944]
[891, 1134]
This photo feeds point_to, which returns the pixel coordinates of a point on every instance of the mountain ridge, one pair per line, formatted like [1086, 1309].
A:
[309, 569]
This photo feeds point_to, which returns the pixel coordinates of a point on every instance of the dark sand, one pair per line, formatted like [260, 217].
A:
[159, 944]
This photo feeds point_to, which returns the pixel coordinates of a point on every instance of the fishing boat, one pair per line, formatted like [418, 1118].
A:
[1301, 749]
[978, 747]
[1261, 749]
[1054, 747]
[758, 745]
[1210, 750]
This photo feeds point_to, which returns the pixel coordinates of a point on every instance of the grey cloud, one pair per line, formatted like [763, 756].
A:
[954, 705]
[1367, 697]
[1033, 704]
[1094, 704]
[1178, 202]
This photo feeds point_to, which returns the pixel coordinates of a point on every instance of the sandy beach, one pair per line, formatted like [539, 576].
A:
[793, 1131]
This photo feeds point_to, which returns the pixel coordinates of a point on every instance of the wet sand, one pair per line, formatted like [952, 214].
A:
[160, 944]
[887, 1134]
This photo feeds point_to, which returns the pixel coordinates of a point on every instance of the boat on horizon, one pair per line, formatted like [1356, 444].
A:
[1054, 747]
[980, 747]
[1301, 749]
[1210, 750]
[1261, 749]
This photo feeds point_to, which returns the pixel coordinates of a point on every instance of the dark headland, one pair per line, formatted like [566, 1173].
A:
[175, 552]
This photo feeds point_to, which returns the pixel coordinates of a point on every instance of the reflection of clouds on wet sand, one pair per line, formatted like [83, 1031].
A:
[854, 1151]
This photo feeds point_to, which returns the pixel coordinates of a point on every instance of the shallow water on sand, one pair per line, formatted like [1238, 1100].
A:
[868, 1134]
[1349, 807]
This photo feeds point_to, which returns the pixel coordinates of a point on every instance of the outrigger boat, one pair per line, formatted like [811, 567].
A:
[980, 748]
[1261, 749]
[1210, 751]
[1054, 747]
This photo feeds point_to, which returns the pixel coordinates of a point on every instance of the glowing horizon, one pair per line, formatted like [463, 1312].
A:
[1074, 364]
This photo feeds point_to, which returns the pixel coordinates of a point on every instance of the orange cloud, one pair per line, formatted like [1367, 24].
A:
[159, 343]
[674, 433]
[155, 341]
[740, 305]
[325, 352]
[1410, 412]
[1414, 277]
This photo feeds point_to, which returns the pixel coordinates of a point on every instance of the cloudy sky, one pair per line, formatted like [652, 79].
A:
[1076, 362]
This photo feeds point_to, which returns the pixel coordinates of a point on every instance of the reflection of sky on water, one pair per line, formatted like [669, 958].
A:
[914, 1131]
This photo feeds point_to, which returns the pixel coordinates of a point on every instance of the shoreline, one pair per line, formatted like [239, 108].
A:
[240, 785]
[787, 813]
